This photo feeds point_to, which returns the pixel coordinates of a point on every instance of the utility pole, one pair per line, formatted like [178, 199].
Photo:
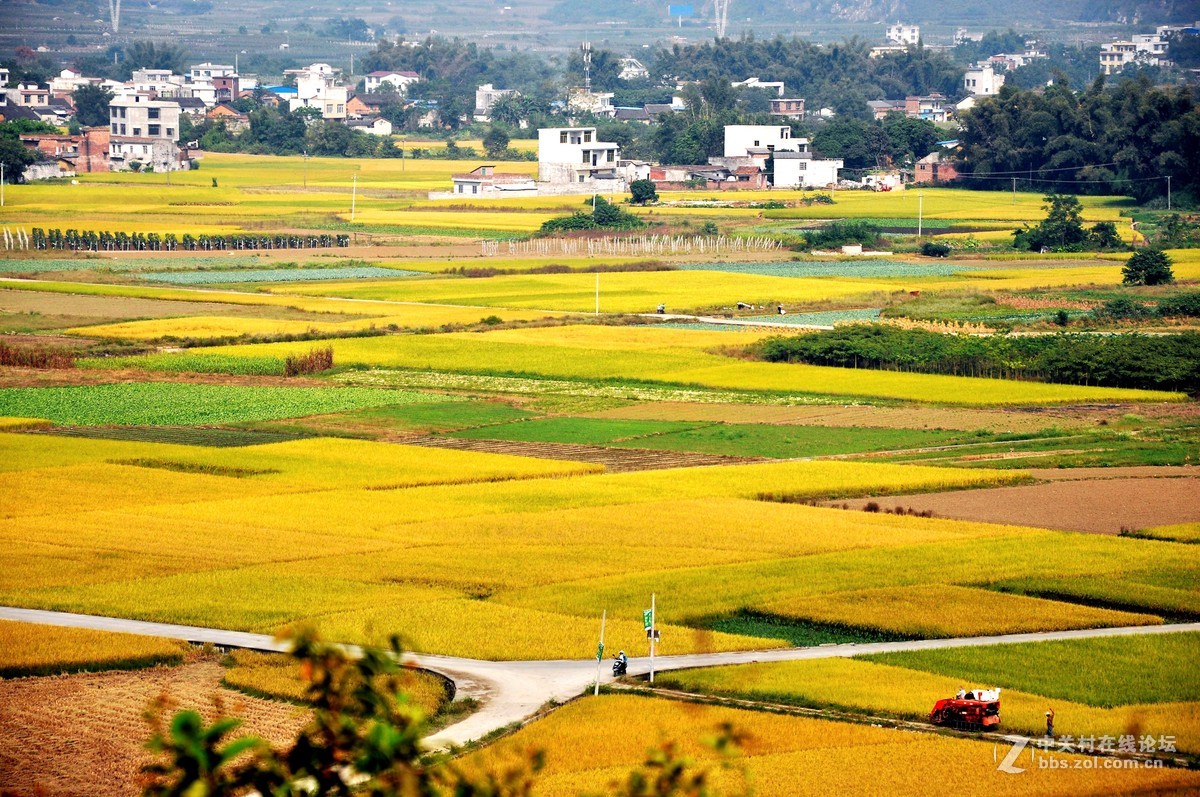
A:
[1014, 190]
[305, 169]
[1168, 192]
[600, 651]
[353, 196]
[653, 631]
[597, 292]
[920, 211]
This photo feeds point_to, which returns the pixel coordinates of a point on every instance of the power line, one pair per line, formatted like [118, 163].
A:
[1019, 172]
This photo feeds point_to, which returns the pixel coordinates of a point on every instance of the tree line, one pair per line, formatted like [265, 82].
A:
[1160, 362]
[1126, 139]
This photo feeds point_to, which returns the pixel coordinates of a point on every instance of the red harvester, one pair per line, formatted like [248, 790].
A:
[976, 710]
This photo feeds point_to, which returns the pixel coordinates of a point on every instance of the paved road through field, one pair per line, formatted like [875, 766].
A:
[511, 691]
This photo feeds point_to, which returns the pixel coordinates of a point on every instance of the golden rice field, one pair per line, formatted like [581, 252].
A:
[666, 356]
[28, 649]
[591, 744]
[278, 676]
[871, 687]
[940, 610]
[476, 555]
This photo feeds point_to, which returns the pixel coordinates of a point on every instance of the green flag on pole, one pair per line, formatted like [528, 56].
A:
[600, 651]
[648, 619]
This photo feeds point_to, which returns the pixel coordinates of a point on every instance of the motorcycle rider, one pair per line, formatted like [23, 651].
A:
[622, 664]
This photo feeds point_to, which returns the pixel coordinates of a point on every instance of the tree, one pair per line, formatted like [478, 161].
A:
[1148, 267]
[495, 142]
[1103, 235]
[15, 156]
[1061, 230]
[643, 191]
[156, 55]
[91, 105]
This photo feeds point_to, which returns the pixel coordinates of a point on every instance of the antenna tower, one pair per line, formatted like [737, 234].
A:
[721, 16]
[587, 66]
[114, 13]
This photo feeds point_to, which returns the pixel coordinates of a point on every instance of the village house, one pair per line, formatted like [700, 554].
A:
[486, 96]
[486, 181]
[906, 35]
[400, 81]
[982, 80]
[376, 126]
[785, 161]
[881, 108]
[597, 103]
[788, 109]
[932, 107]
[318, 86]
[575, 155]
[934, 169]
[632, 69]
[145, 131]
[235, 121]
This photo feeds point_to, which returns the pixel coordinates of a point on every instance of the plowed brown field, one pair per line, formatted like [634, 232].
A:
[1096, 500]
[84, 734]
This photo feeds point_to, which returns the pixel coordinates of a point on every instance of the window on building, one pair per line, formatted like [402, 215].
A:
[474, 189]
[122, 112]
[611, 155]
[152, 112]
[112, 113]
[171, 132]
[587, 136]
[562, 137]
[114, 128]
[137, 131]
[122, 129]
[586, 158]
[155, 130]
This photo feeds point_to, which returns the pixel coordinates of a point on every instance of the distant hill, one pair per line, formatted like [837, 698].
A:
[1006, 12]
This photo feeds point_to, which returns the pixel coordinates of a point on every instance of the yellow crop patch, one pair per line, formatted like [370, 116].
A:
[940, 610]
[29, 649]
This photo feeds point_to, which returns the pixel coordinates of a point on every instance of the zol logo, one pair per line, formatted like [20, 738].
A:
[1009, 764]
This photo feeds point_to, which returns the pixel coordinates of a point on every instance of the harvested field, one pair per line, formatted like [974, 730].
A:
[1099, 501]
[967, 420]
[614, 460]
[84, 734]
[77, 306]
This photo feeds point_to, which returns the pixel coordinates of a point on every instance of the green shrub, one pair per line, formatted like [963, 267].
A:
[1148, 267]
[931, 249]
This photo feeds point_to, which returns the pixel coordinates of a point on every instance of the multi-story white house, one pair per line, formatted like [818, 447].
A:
[318, 86]
[906, 35]
[400, 81]
[743, 140]
[1143, 48]
[789, 162]
[597, 103]
[144, 130]
[982, 80]
[574, 155]
[200, 73]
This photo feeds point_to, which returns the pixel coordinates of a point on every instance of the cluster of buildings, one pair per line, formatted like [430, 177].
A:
[1148, 49]
[144, 115]
[573, 160]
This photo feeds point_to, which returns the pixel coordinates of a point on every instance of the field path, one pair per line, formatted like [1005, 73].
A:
[512, 691]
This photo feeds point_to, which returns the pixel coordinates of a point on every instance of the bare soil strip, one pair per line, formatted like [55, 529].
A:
[1098, 501]
[84, 734]
[615, 460]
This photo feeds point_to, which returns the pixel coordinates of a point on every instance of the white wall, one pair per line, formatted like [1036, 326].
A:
[805, 172]
[739, 138]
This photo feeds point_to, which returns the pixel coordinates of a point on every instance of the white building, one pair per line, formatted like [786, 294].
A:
[597, 103]
[378, 126]
[574, 155]
[632, 69]
[802, 170]
[982, 80]
[400, 81]
[30, 95]
[906, 35]
[200, 73]
[318, 86]
[793, 164]
[754, 83]
[68, 80]
[743, 140]
[1144, 48]
[485, 97]
[144, 130]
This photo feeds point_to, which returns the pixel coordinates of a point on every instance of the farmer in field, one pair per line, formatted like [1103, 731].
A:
[1050, 722]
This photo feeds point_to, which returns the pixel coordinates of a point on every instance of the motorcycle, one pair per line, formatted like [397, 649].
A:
[620, 667]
